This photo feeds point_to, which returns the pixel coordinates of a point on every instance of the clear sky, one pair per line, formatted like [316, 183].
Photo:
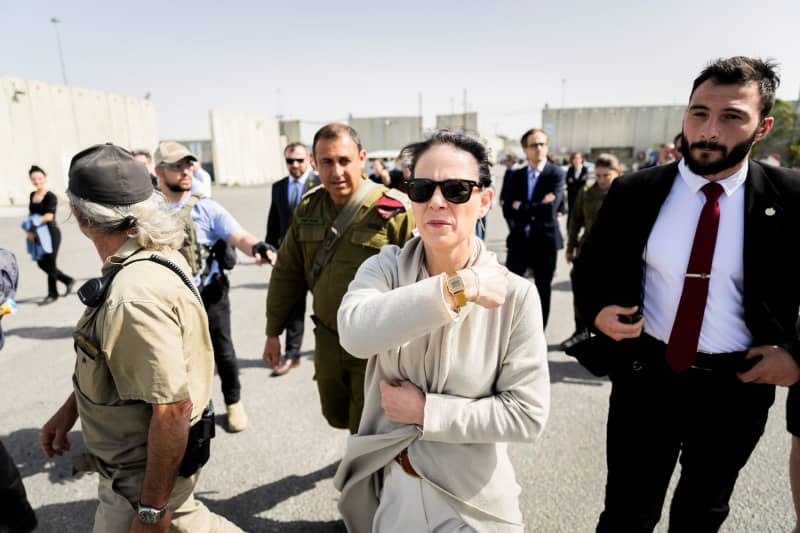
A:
[320, 60]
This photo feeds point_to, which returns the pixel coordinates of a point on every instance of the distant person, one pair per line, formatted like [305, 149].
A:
[286, 195]
[146, 158]
[42, 215]
[456, 363]
[16, 514]
[380, 174]
[313, 256]
[531, 199]
[667, 154]
[142, 379]
[212, 235]
[582, 217]
[577, 174]
[201, 180]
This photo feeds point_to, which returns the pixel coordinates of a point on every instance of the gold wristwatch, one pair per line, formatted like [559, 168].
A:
[455, 286]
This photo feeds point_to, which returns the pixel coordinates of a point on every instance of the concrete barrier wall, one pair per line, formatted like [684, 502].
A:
[248, 150]
[46, 125]
[637, 127]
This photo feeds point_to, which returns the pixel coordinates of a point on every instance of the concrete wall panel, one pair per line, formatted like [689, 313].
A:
[46, 125]
[247, 149]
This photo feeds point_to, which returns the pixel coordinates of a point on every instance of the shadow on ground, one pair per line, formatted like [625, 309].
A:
[256, 286]
[75, 517]
[23, 445]
[243, 509]
[42, 332]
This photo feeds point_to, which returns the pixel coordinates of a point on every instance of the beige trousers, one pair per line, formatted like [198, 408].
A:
[118, 499]
[412, 504]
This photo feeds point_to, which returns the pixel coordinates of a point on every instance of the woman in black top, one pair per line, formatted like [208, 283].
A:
[44, 202]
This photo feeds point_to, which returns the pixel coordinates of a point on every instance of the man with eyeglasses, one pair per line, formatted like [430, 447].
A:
[286, 195]
[335, 228]
[212, 235]
[530, 198]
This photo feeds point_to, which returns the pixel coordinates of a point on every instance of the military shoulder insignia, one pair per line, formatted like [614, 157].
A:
[390, 203]
[312, 191]
[310, 221]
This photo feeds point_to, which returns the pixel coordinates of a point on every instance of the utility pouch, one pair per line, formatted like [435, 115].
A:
[198, 445]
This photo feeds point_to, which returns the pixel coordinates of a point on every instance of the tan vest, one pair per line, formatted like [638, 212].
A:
[147, 343]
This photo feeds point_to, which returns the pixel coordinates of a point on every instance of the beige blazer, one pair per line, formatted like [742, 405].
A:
[483, 371]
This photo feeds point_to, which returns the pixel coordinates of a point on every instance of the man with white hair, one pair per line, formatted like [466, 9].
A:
[144, 365]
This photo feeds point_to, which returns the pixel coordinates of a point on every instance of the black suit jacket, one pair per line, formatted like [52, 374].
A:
[280, 215]
[610, 269]
[542, 218]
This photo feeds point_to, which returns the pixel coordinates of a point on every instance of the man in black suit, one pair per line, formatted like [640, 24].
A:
[286, 194]
[694, 294]
[530, 198]
[577, 174]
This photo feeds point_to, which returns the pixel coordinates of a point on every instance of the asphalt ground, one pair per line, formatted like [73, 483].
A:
[276, 476]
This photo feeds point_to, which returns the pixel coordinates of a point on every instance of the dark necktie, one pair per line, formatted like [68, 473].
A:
[295, 196]
[682, 346]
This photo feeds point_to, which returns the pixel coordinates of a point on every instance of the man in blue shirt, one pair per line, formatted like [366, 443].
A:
[215, 231]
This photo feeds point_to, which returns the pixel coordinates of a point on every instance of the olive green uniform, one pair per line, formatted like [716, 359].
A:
[339, 375]
[146, 343]
[583, 216]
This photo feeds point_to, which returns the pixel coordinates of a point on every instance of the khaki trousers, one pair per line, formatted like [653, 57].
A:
[412, 504]
[118, 499]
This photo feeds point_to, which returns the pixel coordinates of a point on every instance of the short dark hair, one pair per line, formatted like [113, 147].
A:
[606, 160]
[740, 70]
[524, 140]
[414, 151]
[292, 146]
[36, 168]
[145, 153]
[334, 131]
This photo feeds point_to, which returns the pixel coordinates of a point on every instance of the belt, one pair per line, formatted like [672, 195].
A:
[728, 362]
[402, 460]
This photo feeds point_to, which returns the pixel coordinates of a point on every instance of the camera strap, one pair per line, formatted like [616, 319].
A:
[93, 292]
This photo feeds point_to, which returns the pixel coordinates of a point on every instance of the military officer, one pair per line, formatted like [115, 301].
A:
[144, 365]
[366, 217]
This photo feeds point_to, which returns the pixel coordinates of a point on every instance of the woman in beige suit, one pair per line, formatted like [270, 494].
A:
[457, 362]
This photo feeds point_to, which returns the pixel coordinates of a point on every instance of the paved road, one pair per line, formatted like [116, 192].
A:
[276, 476]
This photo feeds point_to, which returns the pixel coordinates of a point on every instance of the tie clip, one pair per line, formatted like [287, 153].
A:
[701, 275]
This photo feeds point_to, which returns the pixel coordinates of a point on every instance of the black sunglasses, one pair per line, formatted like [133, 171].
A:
[290, 161]
[455, 191]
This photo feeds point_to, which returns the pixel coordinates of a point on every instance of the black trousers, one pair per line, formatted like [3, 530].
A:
[710, 421]
[48, 264]
[218, 308]
[15, 511]
[542, 262]
[295, 327]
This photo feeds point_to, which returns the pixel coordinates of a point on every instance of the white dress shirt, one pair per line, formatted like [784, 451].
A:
[667, 256]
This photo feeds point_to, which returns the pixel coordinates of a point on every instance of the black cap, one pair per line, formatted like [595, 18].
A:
[107, 174]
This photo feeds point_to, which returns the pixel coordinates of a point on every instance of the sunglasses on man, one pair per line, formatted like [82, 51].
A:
[291, 161]
[178, 166]
[455, 191]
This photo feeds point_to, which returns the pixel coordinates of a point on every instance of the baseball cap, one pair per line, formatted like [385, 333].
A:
[108, 174]
[171, 152]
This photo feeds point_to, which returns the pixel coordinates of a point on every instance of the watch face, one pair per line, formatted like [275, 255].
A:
[148, 515]
[455, 283]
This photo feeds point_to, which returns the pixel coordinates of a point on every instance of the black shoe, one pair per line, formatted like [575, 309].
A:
[69, 285]
[50, 299]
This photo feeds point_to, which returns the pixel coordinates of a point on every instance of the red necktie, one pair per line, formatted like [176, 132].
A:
[682, 346]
